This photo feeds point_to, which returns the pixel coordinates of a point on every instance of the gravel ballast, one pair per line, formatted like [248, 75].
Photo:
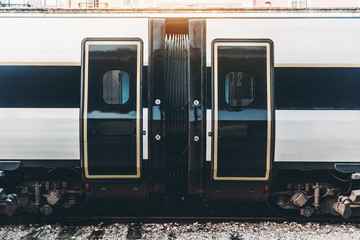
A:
[226, 230]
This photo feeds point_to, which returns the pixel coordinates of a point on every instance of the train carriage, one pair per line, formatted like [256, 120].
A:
[235, 105]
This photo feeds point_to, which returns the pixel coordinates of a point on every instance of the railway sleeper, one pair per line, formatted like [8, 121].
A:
[318, 198]
[40, 197]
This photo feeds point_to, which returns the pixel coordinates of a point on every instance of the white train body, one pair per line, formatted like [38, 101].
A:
[236, 100]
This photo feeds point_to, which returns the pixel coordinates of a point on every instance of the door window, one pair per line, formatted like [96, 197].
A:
[116, 89]
[239, 89]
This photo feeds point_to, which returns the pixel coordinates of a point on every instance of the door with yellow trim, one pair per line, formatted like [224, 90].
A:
[111, 108]
[242, 109]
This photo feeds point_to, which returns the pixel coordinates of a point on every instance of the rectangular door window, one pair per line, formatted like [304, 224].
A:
[116, 87]
[239, 89]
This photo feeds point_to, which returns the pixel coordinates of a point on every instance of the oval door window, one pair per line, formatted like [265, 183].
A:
[239, 89]
[116, 87]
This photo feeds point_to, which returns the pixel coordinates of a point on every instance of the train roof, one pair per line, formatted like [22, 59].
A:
[184, 12]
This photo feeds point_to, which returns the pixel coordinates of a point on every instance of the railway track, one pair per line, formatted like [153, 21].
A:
[133, 227]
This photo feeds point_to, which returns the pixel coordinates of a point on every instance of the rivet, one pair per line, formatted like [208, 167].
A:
[158, 137]
[157, 101]
[196, 102]
[196, 138]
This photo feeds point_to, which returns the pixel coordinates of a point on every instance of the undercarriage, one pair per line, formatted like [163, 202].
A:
[339, 196]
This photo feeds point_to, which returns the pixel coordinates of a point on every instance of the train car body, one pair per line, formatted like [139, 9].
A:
[225, 105]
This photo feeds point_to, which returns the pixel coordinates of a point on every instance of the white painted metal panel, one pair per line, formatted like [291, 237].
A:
[53, 40]
[208, 137]
[145, 134]
[317, 136]
[39, 133]
[296, 41]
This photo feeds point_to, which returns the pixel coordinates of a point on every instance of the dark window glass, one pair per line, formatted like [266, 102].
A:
[239, 89]
[116, 89]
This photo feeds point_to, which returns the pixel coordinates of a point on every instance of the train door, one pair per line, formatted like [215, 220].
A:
[242, 109]
[111, 108]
